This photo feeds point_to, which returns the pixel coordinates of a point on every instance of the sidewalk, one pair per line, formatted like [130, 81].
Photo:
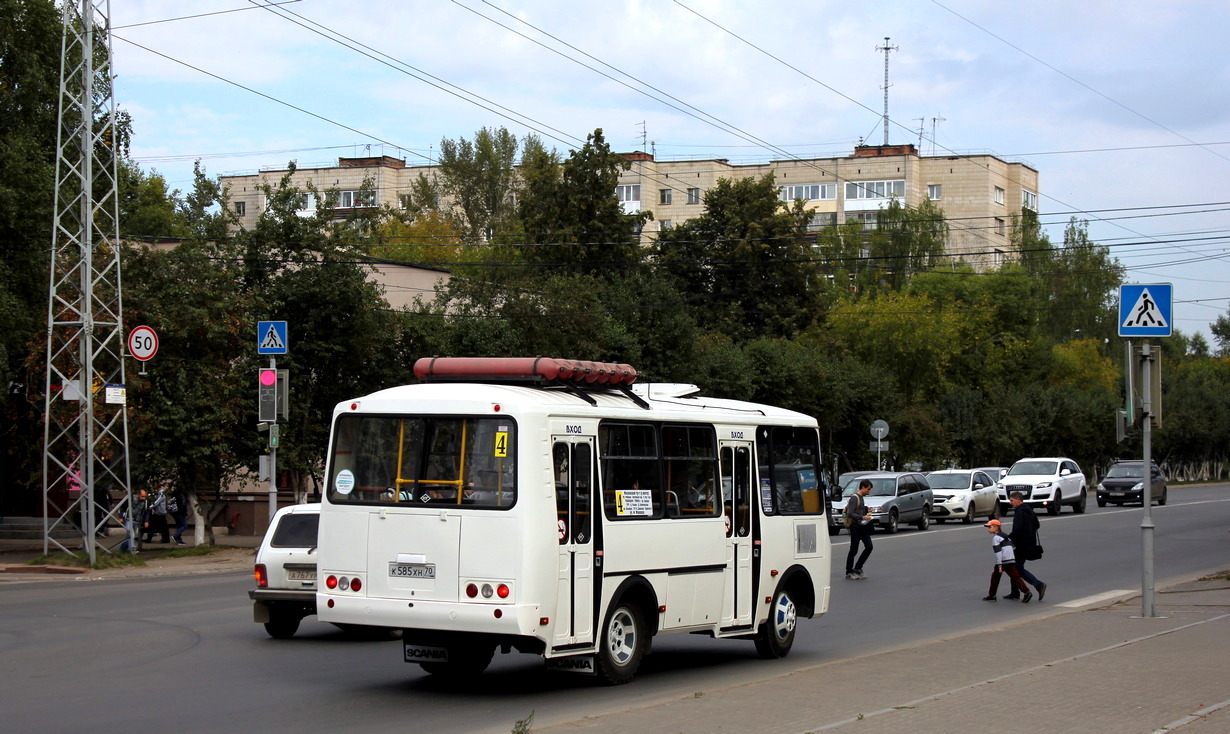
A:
[1096, 669]
[234, 553]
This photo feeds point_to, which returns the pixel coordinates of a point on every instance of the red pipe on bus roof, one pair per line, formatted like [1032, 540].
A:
[512, 368]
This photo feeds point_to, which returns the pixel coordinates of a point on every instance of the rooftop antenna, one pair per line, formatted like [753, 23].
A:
[643, 135]
[886, 49]
[934, 120]
[921, 122]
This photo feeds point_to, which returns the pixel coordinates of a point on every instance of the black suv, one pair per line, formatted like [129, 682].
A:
[1125, 482]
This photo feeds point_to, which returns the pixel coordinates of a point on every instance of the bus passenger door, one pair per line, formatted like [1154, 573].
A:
[737, 496]
[574, 481]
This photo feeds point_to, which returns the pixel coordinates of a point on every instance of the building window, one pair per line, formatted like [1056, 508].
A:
[405, 200]
[999, 226]
[999, 195]
[241, 208]
[808, 192]
[628, 192]
[664, 196]
[307, 205]
[1029, 200]
[868, 219]
[355, 199]
[875, 189]
[997, 258]
[935, 192]
[693, 196]
[629, 196]
[819, 220]
[664, 225]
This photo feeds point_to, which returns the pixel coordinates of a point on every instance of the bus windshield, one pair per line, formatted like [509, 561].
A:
[422, 460]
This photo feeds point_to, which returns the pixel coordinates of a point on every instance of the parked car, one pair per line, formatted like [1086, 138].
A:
[962, 494]
[895, 498]
[996, 473]
[1049, 482]
[1124, 482]
[285, 590]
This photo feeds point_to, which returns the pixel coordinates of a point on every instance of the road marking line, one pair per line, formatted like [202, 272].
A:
[1086, 601]
[1198, 716]
[1033, 669]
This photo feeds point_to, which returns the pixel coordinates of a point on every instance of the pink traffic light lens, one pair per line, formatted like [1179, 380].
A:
[269, 377]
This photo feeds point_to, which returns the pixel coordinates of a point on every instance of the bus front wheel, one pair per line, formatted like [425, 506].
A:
[776, 635]
[624, 641]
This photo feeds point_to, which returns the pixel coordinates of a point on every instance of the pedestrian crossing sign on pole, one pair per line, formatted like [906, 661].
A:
[271, 337]
[1145, 309]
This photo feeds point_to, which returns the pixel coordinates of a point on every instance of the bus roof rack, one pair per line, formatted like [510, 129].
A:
[574, 374]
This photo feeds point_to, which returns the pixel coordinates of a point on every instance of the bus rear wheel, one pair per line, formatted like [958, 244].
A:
[624, 641]
[776, 635]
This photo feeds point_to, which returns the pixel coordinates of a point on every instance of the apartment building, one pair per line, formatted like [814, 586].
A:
[979, 194]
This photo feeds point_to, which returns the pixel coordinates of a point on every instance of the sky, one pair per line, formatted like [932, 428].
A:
[1123, 107]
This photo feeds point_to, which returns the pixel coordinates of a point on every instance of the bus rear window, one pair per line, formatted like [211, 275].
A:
[423, 460]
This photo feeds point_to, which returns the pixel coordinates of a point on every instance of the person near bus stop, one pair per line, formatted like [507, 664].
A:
[860, 531]
[177, 510]
[1024, 537]
[1005, 562]
[156, 519]
[135, 513]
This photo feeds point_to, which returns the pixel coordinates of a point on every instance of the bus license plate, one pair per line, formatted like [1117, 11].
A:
[413, 570]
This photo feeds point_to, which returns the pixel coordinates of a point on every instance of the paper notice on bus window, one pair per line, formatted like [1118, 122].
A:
[501, 444]
[766, 494]
[633, 502]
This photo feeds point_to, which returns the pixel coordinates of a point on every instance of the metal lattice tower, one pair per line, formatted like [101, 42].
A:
[85, 439]
[886, 49]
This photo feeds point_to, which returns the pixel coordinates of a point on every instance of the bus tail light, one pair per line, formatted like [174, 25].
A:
[356, 584]
[471, 590]
[343, 583]
[331, 582]
[262, 576]
[502, 591]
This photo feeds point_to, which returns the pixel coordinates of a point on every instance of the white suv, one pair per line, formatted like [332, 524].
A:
[1049, 482]
[285, 590]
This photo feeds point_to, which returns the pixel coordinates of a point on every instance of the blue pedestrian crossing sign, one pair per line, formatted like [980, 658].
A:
[271, 337]
[1145, 309]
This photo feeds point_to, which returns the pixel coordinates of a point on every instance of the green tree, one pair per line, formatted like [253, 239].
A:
[147, 209]
[746, 264]
[569, 212]
[479, 179]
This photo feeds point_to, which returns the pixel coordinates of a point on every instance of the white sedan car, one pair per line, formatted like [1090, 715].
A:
[962, 494]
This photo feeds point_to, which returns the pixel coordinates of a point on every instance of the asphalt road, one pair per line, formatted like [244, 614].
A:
[182, 653]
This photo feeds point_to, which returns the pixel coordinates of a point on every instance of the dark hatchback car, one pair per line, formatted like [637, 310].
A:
[1125, 482]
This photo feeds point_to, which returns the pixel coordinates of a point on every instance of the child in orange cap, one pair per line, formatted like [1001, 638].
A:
[1005, 562]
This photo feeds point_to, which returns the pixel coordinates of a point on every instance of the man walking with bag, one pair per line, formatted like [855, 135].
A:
[1024, 536]
[858, 518]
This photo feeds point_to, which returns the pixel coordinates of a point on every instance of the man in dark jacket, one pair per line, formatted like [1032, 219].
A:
[1024, 536]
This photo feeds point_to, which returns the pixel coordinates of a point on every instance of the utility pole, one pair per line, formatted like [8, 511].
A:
[85, 435]
[886, 49]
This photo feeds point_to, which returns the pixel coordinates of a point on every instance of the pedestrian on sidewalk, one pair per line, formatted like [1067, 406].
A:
[1025, 540]
[157, 517]
[860, 531]
[177, 510]
[136, 523]
[1005, 562]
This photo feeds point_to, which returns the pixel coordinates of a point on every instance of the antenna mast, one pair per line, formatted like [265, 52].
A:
[85, 435]
[934, 120]
[886, 49]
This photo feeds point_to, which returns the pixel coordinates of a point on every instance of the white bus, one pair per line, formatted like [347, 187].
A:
[559, 509]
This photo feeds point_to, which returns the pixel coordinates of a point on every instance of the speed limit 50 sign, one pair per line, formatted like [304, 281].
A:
[142, 343]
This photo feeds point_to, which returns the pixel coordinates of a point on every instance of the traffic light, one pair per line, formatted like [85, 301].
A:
[267, 395]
